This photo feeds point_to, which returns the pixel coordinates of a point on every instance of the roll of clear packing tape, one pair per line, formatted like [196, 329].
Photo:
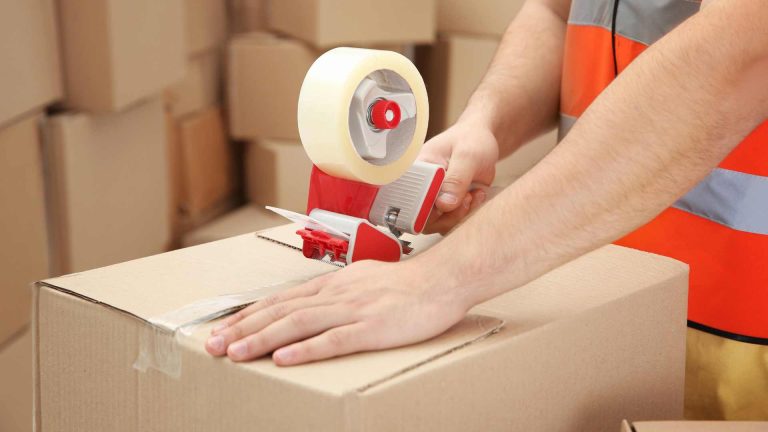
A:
[339, 94]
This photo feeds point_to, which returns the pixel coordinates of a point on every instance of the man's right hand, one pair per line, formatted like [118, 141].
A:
[469, 153]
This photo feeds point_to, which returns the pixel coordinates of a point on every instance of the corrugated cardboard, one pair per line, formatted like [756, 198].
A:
[29, 57]
[528, 155]
[265, 76]
[206, 24]
[277, 174]
[108, 186]
[247, 15]
[584, 346]
[23, 238]
[201, 86]
[327, 24]
[694, 426]
[452, 69]
[207, 162]
[246, 219]
[485, 17]
[118, 52]
[16, 383]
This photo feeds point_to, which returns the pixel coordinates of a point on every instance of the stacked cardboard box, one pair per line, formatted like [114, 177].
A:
[201, 156]
[29, 56]
[469, 34]
[23, 259]
[695, 426]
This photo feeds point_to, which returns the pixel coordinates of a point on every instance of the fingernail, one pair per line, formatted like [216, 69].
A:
[284, 355]
[221, 326]
[480, 197]
[216, 343]
[467, 201]
[448, 198]
[237, 350]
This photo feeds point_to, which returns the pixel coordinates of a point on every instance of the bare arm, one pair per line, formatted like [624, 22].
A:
[517, 100]
[678, 110]
[519, 97]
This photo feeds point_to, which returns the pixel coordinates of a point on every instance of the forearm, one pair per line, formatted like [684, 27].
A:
[678, 110]
[519, 97]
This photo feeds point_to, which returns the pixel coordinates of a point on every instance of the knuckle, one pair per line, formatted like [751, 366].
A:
[336, 338]
[236, 332]
[300, 319]
[271, 300]
[277, 311]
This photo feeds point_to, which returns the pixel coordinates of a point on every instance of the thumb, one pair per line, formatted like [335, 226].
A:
[458, 179]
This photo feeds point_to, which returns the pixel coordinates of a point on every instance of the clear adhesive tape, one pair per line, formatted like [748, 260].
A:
[324, 113]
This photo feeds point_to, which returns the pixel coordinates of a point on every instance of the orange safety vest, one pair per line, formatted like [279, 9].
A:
[720, 228]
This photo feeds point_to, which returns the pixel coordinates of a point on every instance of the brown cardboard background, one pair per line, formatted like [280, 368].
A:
[486, 17]
[100, 166]
[277, 174]
[23, 233]
[695, 426]
[29, 56]
[16, 383]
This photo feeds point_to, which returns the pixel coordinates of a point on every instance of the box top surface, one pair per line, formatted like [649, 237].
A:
[696, 426]
[150, 287]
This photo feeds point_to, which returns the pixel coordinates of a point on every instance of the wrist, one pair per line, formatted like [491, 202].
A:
[441, 278]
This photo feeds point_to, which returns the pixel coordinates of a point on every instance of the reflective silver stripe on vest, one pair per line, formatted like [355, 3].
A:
[566, 123]
[731, 198]
[644, 21]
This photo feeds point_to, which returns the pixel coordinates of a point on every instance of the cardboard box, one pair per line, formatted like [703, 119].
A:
[23, 233]
[265, 77]
[361, 22]
[16, 383]
[247, 15]
[31, 75]
[694, 426]
[580, 348]
[207, 162]
[246, 219]
[452, 70]
[201, 86]
[206, 24]
[524, 158]
[108, 185]
[487, 17]
[118, 52]
[277, 174]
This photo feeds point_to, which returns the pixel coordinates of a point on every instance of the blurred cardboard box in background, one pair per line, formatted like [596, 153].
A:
[206, 24]
[206, 161]
[23, 231]
[524, 158]
[108, 185]
[265, 73]
[116, 53]
[201, 86]
[277, 174]
[482, 17]
[247, 219]
[247, 15]
[16, 382]
[29, 57]
[354, 22]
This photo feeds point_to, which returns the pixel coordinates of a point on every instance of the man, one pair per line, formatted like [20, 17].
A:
[652, 124]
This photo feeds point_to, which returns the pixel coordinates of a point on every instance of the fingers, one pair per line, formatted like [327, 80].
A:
[217, 344]
[304, 290]
[458, 178]
[297, 326]
[335, 342]
[446, 222]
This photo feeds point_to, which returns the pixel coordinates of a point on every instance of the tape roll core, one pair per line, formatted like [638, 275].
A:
[327, 114]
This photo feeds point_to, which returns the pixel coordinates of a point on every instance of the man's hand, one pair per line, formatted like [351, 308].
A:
[469, 153]
[367, 306]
